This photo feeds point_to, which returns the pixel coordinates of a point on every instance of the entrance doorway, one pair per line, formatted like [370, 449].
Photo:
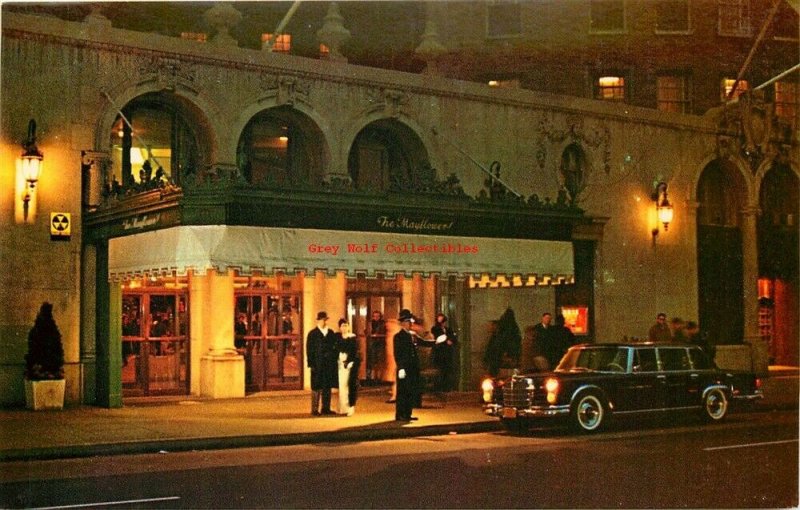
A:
[369, 303]
[155, 342]
[268, 333]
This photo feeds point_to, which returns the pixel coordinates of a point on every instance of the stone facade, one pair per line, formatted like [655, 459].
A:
[73, 76]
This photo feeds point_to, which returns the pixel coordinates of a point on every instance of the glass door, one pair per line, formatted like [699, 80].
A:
[155, 343]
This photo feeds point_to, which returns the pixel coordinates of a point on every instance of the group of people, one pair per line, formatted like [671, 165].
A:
[334, 362]
[678, 331]
[549, 341]
[333, 359]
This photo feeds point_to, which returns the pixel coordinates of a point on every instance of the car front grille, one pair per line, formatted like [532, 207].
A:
[518, 393]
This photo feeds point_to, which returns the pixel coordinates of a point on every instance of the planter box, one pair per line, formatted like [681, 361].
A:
[41, 395]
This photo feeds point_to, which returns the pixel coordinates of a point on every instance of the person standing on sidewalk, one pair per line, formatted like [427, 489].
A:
[348, 364]
[322, 353]
[407, 375]
[443, 347]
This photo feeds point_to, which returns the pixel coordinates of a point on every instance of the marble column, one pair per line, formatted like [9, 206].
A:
[221, 366]
[760, 354]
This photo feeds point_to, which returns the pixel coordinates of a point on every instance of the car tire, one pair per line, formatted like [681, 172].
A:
[589, 412]
[514, 425]
[715, 405]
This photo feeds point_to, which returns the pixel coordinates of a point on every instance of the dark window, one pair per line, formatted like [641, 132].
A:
[645, 361]
[674, 358]
[699, 359]
[673, 94]
[573, 164]
[503, 18]
[672, 16]
[608, 15]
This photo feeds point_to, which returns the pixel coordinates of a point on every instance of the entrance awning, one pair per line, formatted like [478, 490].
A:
[174, 251]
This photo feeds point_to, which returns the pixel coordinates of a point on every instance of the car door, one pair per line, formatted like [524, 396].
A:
[676, 373]
[643, 388]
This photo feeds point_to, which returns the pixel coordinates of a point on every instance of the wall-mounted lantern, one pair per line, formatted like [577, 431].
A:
[29, 166]
[664, 210]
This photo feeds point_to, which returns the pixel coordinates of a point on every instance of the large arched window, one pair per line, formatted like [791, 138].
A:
[160, 144]
[388, 155]
[281, 147]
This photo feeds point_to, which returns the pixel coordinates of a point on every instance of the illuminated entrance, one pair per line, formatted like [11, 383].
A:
[155, 338]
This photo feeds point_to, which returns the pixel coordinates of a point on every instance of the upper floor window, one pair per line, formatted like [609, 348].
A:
[607, 15]
[727, 86]
[283, 44]
[673, 94]
[610, 88]
[194, 36]
[280, 147]
[734, 17]
[786, 99]
[158, 145]
[503, 18]
[672, 16]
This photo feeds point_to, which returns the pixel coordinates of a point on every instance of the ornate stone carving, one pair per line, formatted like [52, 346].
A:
[333, 33]
[596, 138]
[390, 100]
[285, 89]
[422, 180]
[223, 17]
[169, 74]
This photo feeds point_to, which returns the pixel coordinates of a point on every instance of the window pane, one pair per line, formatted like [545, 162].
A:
[672, 94]
[727, 86]
[734, 17]
[785, 99]
[610, 88]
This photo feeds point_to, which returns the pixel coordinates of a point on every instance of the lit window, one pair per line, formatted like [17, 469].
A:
[610, 88]
[734, 17]
[283, 44]
[785, 99]
[324, 51]
[672, 94]
[727, 86]
[607, 15]
[504, 84]
[194, 36]
[672, 16]
[503, 18]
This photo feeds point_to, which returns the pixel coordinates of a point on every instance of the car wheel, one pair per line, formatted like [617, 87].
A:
[588, 412]
[715, 405]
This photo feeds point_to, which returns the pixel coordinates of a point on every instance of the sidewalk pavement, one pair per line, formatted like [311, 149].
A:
[264, 419]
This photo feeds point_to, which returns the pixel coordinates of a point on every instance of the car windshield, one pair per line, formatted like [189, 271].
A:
[604, 359]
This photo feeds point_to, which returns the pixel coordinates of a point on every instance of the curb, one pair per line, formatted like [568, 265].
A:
[219, 443]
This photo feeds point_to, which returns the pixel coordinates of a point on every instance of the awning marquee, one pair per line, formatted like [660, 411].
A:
[176, 250]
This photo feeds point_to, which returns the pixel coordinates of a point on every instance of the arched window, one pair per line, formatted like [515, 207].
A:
[158, 146]
[281, 147]
[388, 155]
[718, 196]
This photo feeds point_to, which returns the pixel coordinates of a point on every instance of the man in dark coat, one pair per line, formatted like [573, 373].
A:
[322, 356]
[405, 356]
[443, 347]
[545, 342]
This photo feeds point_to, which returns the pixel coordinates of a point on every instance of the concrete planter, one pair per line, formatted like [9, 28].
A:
[42, 395]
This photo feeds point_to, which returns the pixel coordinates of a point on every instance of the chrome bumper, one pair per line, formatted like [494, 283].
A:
[525, 412]
[756, 395]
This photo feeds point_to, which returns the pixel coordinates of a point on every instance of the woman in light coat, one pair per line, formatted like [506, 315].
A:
[348, 364]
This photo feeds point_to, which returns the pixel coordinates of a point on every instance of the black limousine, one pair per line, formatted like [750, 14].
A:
[596, 381]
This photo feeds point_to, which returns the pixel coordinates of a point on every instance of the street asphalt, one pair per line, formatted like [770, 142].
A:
[263, 419]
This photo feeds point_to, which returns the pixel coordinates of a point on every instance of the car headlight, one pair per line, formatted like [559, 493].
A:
[551, 387]
[487, 387]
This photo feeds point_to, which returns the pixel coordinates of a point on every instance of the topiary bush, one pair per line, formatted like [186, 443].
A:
[45, 357]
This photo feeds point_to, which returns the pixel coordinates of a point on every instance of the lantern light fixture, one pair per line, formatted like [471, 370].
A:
[29, 165]
[664, 211]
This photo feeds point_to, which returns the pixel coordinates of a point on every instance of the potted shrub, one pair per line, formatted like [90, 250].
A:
[44, 363]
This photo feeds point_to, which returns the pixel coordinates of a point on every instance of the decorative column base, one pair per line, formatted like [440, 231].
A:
[760, 353]
[222, 374]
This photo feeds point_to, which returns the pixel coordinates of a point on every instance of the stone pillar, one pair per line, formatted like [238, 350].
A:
[309, 321]
[221, 367]
[759, 349]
